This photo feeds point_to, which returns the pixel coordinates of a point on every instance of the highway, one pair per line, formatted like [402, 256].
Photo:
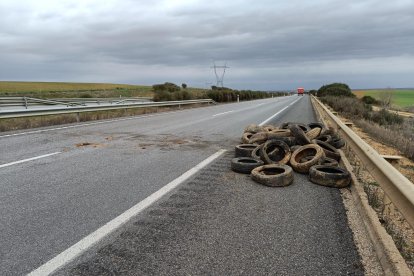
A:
[61, 183]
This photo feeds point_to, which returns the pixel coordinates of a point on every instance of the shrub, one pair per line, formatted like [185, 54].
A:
[335, 89]
[369, 100]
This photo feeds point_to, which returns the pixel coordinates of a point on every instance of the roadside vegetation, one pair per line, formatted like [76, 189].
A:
[172, 92]
[390, 129]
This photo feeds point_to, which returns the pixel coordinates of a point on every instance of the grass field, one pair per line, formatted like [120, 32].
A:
[401, 97]
[72, 90]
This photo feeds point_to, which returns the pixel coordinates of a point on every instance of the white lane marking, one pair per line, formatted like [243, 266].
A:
[222, 113]
[93, 238]
[274, 115]
[29, 159]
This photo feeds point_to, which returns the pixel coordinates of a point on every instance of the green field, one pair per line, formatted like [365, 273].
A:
[72, 90]
[401, 97]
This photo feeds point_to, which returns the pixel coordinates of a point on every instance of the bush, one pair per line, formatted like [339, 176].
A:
[335, 89]
[369, 100]
[384, 117]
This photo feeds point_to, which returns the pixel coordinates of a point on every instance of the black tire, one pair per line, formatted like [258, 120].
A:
[330, 151]
[256, 152]
[316, 124]
[275, 152]
[279, 133]
[299, 135]
[273, 175]
[244, 150]
[297, 158]
[289, 124]
[337, 143]
[324, 138]
[245, 164]
[329, 176]
[329, 162]
[290, 141]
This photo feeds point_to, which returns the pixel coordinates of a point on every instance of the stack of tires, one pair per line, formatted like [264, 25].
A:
[271, 154]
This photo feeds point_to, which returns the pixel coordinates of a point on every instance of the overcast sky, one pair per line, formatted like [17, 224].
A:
[268, 44]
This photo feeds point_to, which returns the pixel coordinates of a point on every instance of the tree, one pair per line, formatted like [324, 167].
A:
[184, 85]
[386, 98]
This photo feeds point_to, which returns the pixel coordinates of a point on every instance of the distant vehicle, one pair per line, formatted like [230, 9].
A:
[301, 90]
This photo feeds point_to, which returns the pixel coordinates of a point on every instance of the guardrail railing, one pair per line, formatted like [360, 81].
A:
[396, 186]
[64, 108]
[29, 101]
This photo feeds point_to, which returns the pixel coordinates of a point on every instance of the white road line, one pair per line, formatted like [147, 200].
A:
[28, 159]
[87, 242]
[274, 115]
[222, 113]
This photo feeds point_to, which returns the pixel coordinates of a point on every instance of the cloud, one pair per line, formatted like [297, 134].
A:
[273, 45]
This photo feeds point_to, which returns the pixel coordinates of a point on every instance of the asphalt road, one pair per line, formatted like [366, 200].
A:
[99, 170]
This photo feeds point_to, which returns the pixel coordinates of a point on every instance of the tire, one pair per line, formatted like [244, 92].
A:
[273, 175]
[316, 124]
[299, 135]
[290, 141]
[313, 150]
[244, 150]
[268, 128]
[280, 133]
[245, 164]
[252, 128]
[337, 143]
[329, 131]
[289, 124]
[330, 151]
[275, 152]
[313, 133]
[256, 152]
[329, 162]
[329, 176]
[294, 148]
[246, 137]
[258, 138]
[324, 138]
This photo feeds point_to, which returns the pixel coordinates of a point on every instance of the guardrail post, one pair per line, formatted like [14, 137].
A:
[25, 102]
[77, 117]
[179, 106]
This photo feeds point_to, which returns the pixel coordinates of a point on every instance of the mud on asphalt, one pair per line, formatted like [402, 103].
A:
[222, 223]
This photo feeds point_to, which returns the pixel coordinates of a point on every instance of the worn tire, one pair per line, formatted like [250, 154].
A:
[290, 141]
[258, 138]
[244, 150]
[245, 164]
[294, 148]
[313, 133]
[246, 137]
[337, 143]
[280, 133]
[275, 152]
[287, 125]
[313, 150]
[324, 138]
[330, 151]
[299, 135]
[269, 128]
[329, 176]
[256, 152]
[252, 128]
[273, 175]
[316, 124]
[329, 162]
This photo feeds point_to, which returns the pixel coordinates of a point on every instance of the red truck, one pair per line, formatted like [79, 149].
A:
[301, 90]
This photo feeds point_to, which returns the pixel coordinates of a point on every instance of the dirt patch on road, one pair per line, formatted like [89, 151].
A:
[89, 144]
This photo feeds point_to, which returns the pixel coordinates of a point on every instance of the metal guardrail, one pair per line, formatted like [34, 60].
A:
[29, 101]
[396, 186]
[66, 108]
